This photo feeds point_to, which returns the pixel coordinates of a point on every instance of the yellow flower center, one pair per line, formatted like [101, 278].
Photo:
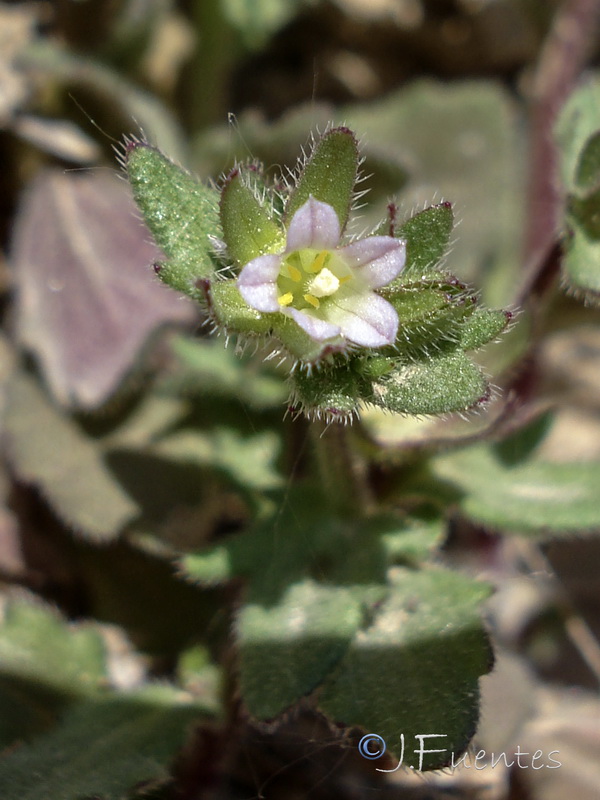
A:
[308, 276]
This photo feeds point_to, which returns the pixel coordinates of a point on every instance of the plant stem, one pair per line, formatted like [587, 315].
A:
[342, 473]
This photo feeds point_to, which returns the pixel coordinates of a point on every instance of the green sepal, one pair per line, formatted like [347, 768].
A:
[417, 300]
[298, 343]
[229, 308]
[248, 229]
[180, 212]
[438, 332]
[482, 326]
[427, 237]
[373, 367]
[441, 384]
[329, 175]
[334, 390]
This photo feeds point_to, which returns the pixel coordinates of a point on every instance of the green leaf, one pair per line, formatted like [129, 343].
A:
[208, 368]
[248, 229]
[427, 236]
[411, 541]
[577, 135]
[101, 748]
[249, 461]
[415, 670]
[586, 212]
[587, 175]
[180, 212]
[329, 175]
[48, 450]
[532, 497]
[522, 444]
[286, 651]
[300, 538]
[36, 644]
[436, 386]
[581, 263]
[257, 21]
[44, 663]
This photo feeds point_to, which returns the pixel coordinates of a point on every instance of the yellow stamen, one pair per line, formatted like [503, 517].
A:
[285, 299]
[343, 280]
[319, 261]
[294, 273]
[312, 300]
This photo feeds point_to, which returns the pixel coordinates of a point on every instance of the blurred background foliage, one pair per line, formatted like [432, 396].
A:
[151, 481]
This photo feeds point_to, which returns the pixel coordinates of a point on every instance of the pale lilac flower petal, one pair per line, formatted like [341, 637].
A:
[377, 259]
[314, 225]
[316, 328]
[366, 319]
[257, 283]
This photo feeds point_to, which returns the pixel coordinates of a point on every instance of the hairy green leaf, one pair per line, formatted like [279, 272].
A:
[44, 663]
[102, 748]
[285, 651]
[415, 669]
[532, 497]
[300, 538]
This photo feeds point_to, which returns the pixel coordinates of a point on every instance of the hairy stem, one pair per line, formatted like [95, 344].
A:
[342, 474]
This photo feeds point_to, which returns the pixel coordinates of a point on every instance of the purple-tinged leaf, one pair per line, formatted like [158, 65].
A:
[87, 299]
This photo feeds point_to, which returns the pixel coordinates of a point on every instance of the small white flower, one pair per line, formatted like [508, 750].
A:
[325, 288]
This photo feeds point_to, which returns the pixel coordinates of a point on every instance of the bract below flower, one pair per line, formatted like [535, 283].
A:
[328, 290]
